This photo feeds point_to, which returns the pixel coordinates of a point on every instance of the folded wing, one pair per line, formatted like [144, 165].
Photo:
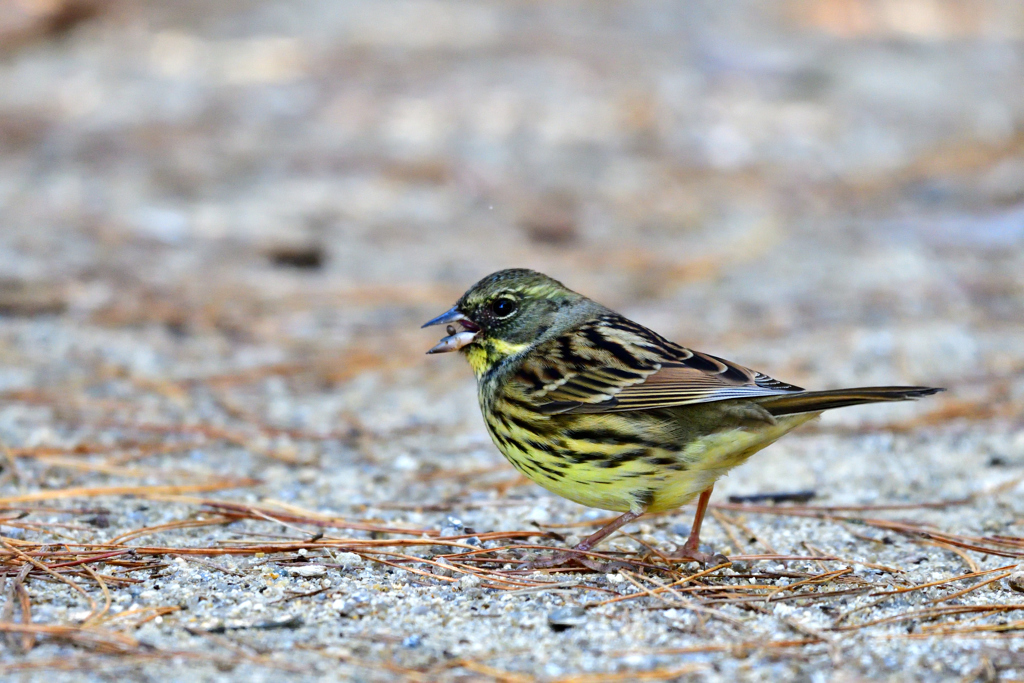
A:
[616, 365]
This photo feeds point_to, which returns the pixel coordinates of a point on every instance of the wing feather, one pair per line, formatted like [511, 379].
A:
[615, 365]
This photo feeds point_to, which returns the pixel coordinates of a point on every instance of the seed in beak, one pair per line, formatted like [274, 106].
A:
[450, 330]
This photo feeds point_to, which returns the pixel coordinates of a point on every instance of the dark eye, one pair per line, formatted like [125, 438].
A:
[504, 307]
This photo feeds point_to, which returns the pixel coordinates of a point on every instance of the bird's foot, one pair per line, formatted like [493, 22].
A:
[693, 554]
[568, 557]
[559, 559]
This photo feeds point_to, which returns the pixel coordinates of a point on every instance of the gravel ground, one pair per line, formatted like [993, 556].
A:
[221, 225]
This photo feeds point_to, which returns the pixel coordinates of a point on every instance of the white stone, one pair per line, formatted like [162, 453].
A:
[309, 570]
[348, 559]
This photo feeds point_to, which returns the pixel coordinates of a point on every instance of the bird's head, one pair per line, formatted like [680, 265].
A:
[506, 313]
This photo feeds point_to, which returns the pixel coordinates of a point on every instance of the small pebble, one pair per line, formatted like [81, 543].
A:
[348, 559]
[1015, 581]
[308, 570]
[443, 569]
[345, 608]
[452, 526]
[566, 618]
[470, 581]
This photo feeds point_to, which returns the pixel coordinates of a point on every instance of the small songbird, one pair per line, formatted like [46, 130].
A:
[603, 411]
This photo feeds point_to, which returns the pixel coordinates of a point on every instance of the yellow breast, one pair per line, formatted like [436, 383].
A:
[622, 461]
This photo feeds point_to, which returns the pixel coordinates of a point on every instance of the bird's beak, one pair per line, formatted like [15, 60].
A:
[455, 340]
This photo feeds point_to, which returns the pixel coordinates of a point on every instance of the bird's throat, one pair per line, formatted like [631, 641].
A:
[485, 354]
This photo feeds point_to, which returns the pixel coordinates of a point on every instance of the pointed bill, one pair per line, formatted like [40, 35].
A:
[451, 315]
[455, 340]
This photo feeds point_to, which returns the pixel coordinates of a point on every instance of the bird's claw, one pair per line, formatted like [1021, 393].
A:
[556, 560]
[564, 558]
[702, 558]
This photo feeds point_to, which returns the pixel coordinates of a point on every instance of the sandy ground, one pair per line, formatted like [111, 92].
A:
[221, 225]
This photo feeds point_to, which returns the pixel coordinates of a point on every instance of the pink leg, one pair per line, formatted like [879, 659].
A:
[586, 544]
[605, 531]
[691, 550]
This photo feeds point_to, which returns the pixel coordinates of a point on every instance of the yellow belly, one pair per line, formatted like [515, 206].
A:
[665, 466]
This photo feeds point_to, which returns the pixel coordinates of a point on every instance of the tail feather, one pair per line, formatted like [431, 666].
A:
[816, 401]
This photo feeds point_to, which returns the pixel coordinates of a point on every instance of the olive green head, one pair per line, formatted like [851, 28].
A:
[508, 311]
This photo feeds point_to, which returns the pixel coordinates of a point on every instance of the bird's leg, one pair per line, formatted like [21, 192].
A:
[605, 531]
[693, 542]
[691, 550]
[586, 544]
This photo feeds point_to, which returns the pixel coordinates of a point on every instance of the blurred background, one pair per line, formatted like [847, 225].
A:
[222, 224]
[328, 173]
[828, 190]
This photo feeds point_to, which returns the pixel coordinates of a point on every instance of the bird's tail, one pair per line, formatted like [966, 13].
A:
[816, 401]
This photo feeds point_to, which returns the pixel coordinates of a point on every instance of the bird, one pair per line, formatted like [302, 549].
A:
[603, 411]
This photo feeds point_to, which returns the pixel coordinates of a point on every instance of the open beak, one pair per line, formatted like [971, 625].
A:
[455, 340]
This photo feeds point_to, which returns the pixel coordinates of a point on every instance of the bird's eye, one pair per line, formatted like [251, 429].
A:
[504, 307]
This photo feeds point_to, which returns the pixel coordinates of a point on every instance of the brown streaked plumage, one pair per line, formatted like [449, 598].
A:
[607, 413]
